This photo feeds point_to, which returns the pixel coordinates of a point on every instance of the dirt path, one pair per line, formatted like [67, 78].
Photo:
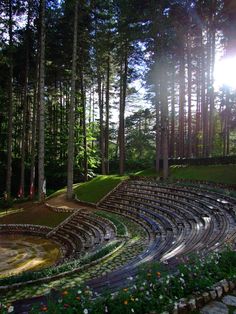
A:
[35, 213]
[62, 202]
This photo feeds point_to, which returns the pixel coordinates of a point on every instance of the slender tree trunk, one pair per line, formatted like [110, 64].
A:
[93, 116]
[41, 143]
[189, 60]
[227, 126]
[61, 122]
[10, 105]
[33, 140]
[84, 127]
[101, 122]
[172, 136]
[124, 72]
[212, 96]
[204, 103]
[198, 112]
[25, 105]
[71, 117]
[100, 105]
[107, 116]
[164, 117]
[158, 142]
[181, 103]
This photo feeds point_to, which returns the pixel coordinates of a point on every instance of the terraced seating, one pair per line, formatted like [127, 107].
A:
[82, 231]
[173, 221]
[195, 219]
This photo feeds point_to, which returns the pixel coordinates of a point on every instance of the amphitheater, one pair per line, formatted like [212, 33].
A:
[138, 222]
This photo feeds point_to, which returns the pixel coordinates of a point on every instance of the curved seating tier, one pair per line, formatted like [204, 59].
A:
[179, 221]
[186, 219]
[82, 232]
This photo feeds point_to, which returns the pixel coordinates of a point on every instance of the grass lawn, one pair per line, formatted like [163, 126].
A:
[215, 173]
[9, 211]
[98, 187]
[36, 215]
[61, 191]
[146, 173]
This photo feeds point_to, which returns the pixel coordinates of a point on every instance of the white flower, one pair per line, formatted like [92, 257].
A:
[106, 309]
[79, 291]
[160, 297]
[10, 309]
[85, 311]
[132, 310]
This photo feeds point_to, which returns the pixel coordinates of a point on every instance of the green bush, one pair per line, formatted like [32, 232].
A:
[4, 204]
[154, 289]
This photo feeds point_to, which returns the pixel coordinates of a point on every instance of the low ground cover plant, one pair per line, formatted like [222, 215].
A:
[155, 288]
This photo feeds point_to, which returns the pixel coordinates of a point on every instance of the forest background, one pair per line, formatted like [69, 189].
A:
[111, 86]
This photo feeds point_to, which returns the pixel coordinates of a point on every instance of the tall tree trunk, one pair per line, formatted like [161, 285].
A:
[212, 94]
[172, 132]
[124, 71]
[181, 103]
[189, 60]
[25, 105]
[198, 112]
[10, 104]
[107, 116]
[33, 146]
[227, 127]
[93, 116]
[83, 102]
[41, 143]
[157, 135]
[100, 105]
[204, 103]
[164, 117]
[71, 117]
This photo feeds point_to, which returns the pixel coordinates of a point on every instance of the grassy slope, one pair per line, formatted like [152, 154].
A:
[95, 189]
[214, 173]
[146, 173]
[36, 215]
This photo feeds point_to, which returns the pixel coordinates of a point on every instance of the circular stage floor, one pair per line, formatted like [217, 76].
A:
[20, 253]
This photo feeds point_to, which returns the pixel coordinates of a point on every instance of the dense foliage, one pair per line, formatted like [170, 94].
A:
[99, 56]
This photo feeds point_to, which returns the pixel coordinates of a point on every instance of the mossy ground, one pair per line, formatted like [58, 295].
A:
[35, 214]
[97, 188]
[225, 174]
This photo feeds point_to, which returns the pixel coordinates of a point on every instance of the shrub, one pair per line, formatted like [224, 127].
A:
[4, 204]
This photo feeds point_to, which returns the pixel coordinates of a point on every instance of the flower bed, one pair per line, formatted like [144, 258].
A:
[155, 289]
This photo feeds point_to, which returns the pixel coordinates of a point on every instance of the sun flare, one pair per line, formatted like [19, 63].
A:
[225, 72]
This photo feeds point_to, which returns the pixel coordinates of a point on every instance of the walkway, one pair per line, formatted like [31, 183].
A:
[227, 305]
